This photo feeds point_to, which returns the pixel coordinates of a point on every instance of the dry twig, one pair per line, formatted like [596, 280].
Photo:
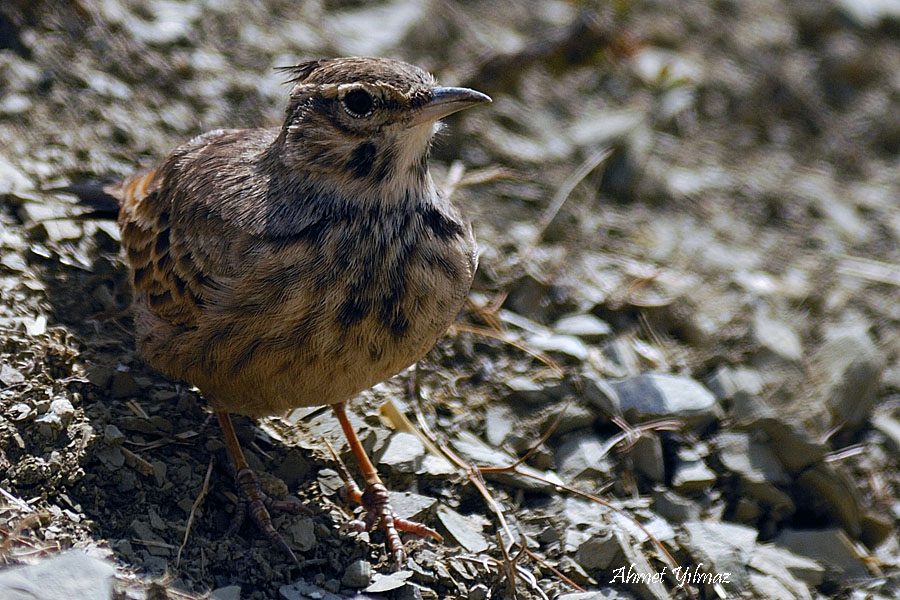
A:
[187, 530]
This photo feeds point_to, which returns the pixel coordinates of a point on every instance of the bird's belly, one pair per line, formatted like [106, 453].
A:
[331, 364]
[306, 350]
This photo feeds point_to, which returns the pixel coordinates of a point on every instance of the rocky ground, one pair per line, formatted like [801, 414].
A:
[689, 224]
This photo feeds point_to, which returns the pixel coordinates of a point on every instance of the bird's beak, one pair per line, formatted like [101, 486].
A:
[448, 100]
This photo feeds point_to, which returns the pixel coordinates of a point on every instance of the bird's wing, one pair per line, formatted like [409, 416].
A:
[180, 249]
[168, 274]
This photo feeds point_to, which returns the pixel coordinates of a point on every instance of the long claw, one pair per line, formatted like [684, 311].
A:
[252, 500]
[374, 497]
[256, 504]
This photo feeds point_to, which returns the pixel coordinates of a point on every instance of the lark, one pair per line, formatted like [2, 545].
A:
[277, 268]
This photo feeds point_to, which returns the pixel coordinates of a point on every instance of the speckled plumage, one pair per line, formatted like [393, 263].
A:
[272, 269]
[297, 266]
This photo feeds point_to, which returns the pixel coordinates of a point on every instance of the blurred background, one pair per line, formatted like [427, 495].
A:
[687, 212]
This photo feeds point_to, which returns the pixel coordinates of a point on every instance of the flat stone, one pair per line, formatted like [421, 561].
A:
[751, 460]
[498, 423]
[583, 457]
[410, 506]
[806, 570]
[586, 326]
[742, 387]
[692, 477]
[14, 262]
[479, 591]
[62, 229]
[794, 448]
[437, 466]
[848, 369]
[829, 547]
[525, 388]
[37, 326]
[123, 384]
[112, 435]
[636, 558]
[229, 592]
[21, 411]
[823, 489]
[384, 583]
[72, 574]
[303, 534]
[769, 587]
[583, 512]
[875, 529]
[10, 375]
[403, 454]
[722, 548]
[329, 482]
[462, 530]
[672, 507]
[567, 345]
[306, 591]
[777, 339]
[12, 179]
[476, 452]
[661, 395]
[358, 574]
[647, 455]
[599, 552]
[62, 408]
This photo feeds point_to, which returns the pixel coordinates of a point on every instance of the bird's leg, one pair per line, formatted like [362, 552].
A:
[374, 497]
[253, 500]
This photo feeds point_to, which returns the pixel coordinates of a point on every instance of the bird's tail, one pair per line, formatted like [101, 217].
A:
[100, 199]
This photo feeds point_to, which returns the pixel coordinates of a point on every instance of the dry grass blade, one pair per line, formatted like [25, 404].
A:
[534, 448]
[551, 568]
[16, 501]
[469, 328]
[474, 473]
[562, 195]
[568, 186]
[190, 522]
[870, 270]
[26, 522]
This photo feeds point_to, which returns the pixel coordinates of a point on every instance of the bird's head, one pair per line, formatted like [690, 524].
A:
[366, 123]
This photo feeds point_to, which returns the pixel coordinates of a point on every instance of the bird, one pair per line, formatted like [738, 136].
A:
[296, 266]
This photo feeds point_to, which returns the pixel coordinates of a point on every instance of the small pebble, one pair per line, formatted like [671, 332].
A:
[358, 574]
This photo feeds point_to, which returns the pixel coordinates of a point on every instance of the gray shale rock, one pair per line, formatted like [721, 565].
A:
[305, 591]
[778, 341]
[655, 396]
[647, 455]
[586, 326]
[848, 369]
[759, 469]
[72, 574]
[404, 453]
[462, 530]
[720, 548]
[358, 574]
[583, 457]
[830, 547]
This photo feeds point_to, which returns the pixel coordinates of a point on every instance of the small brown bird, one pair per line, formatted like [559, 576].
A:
[297, 266]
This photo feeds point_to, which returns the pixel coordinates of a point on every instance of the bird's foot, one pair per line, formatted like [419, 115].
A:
[376, 501]
[254, 502]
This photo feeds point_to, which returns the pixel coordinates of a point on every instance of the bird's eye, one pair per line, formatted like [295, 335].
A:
[359, 103]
